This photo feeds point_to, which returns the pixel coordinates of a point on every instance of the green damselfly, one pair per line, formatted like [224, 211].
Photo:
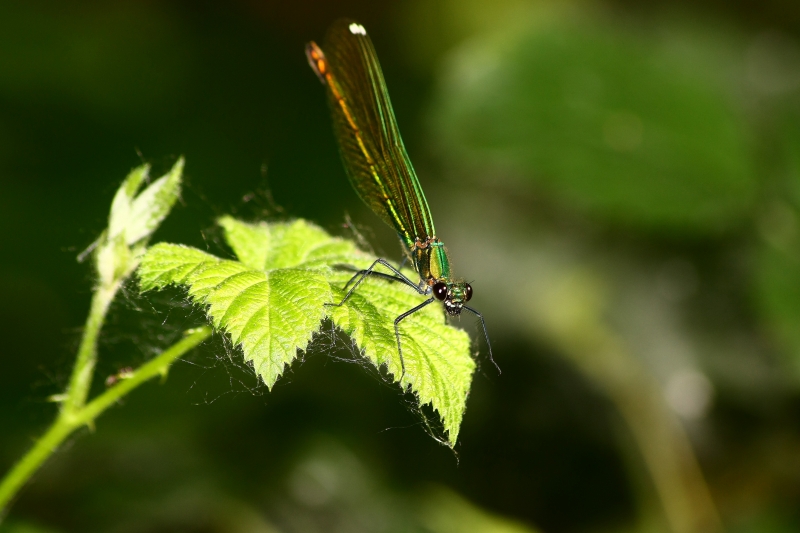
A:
[380, 171]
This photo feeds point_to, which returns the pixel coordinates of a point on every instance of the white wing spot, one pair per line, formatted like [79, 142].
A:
[357, 29]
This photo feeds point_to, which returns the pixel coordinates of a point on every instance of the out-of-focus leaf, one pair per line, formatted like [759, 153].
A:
[25, 527]
[777, 273]
[641, 128]
[272, 301]
[791, 141]
[444, 511]
[778, 294]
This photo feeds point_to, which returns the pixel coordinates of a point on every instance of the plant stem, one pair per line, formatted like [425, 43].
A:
[25, 468]
[69, 421]
[154, 367]
[83, 371]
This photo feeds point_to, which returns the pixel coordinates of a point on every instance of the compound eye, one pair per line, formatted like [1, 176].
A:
[440, 290]
[467, 292]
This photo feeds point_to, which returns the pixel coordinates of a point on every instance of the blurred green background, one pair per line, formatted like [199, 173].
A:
[620, 182]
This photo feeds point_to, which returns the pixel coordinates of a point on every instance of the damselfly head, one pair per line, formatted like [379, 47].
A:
[453, 294]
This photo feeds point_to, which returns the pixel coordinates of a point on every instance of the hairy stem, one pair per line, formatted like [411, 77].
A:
[154, 367]
[83, 371]
[69, 421]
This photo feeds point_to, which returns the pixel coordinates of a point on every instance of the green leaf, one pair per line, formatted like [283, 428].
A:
[273, 299]
[121, 205]
[153, 204]
[132, 220]
[250, 242]
[437, 362]
[137, 217]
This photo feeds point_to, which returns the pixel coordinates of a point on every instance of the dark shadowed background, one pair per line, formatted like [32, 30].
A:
[620, 182]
